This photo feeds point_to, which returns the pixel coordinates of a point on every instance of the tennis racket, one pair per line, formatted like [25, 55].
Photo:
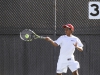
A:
[29, 35]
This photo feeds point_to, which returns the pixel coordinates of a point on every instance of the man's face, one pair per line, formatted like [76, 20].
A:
[67, 31]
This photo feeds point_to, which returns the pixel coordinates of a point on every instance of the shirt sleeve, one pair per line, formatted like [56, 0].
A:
[58, 41]
[79, 43]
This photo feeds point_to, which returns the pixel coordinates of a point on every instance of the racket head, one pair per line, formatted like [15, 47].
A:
[26, 35]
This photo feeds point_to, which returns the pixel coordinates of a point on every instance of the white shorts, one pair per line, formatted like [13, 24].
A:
[63, 65]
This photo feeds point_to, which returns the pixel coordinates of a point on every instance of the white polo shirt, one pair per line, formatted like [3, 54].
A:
[66, 45]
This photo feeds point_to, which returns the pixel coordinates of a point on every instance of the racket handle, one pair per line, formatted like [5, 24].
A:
[41, 37]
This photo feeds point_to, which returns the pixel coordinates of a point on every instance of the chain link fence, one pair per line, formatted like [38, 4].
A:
[37, 57]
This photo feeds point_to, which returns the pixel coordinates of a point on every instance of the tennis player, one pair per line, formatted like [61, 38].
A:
[68, 43]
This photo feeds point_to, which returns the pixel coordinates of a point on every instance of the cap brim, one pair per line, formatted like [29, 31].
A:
[66, 26]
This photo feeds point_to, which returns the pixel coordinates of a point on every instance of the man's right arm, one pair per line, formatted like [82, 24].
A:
[51, 41]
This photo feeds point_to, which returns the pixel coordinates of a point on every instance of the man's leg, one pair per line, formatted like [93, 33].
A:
[59, 73]
[75, 72]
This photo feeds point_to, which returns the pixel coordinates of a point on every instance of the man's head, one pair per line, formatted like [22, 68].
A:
[69, 28]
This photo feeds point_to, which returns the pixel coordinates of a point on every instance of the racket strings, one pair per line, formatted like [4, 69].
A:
[24, 33]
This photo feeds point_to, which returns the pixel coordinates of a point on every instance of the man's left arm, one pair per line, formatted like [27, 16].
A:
[79, 48]
[78, 45]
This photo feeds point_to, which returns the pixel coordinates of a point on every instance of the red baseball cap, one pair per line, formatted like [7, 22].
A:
[69, 26]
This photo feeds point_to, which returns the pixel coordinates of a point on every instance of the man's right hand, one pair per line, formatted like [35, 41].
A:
[51, 41]
[48, 38]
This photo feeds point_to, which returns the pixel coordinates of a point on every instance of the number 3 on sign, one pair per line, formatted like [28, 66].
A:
[94, 10]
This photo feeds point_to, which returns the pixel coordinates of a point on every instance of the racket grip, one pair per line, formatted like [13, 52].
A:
[41, 37]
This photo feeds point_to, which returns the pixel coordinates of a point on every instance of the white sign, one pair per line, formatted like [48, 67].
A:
[94, 10]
